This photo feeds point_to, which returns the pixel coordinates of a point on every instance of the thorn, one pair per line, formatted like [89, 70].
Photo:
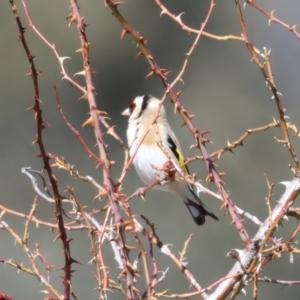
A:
[83, 97]
[139, 54]
[129, 248]
[61, 59]
[124, 31]
[243, 292]
[224, 205]
[45, 124]
[176, 107]
[271, 19]
[179, 16]
[204, 141]
[229, 144]
[269, 52]
[74, 261]
[269, 22]
[239, 251]
[166, 72]
[209, 178]
[72, 18]
[57, 237]
[293, 28]
[149, 74]
[80, 73]
[203, 133]
[163, 11]
[272, 12]
[178, 94]
[110, 130]
[89, 121]
[116, 4]
[194, 146]
[285, 183]
[31, 108]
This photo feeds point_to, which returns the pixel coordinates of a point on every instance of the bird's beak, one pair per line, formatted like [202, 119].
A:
[126, 112]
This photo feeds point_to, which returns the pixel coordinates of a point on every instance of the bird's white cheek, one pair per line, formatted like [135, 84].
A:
[131, 137]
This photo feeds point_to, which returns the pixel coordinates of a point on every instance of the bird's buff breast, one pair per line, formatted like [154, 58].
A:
[144, 159]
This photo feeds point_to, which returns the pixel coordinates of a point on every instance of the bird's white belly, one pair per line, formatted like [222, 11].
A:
[144, 158]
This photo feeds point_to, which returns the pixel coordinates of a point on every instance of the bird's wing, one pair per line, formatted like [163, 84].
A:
[169, 139]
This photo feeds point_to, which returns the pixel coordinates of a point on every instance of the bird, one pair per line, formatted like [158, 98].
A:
[153, 145]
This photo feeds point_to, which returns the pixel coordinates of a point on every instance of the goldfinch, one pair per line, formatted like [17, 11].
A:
[156, 150]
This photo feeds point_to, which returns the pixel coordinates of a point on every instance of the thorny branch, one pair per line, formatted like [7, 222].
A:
[273, 19]
[41, 124]
[266, 70]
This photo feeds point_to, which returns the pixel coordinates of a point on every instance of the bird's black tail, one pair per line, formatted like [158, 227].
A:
[199, 211]
[196, 207]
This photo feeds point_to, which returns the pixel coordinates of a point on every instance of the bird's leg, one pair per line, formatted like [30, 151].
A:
[168, 170]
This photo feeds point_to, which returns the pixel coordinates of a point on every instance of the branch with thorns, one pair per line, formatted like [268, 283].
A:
[41, 124]
[267, 73]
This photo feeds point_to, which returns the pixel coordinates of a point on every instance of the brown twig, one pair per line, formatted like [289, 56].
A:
[184, 250]
[273, 19]
[270, 194]
[177, 19]
[76, 132]
[267, 73]
[110, 186]
[29, 219]
[276, 281]
[41, 124]
[232, 145]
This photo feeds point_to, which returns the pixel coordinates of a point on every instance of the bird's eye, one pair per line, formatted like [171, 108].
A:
[131, 106]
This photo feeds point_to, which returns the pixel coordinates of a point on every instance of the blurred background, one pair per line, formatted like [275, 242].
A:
[222, 87]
